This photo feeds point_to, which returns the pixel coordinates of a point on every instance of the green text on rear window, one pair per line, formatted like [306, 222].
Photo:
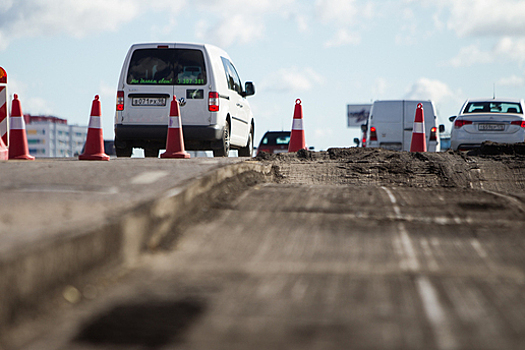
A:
[167, 67]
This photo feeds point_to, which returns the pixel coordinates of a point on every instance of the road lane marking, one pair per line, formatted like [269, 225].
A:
[148, 177]
[478, 248]
[515, 201]
[434, 311]
[408, 247]
[394, 202]
[436, 314]
[431, 260]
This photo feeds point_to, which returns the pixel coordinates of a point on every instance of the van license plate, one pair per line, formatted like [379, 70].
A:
[491, 127]
[148, 101]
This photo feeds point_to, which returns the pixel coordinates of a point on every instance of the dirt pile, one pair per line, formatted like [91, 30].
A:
[482, 168]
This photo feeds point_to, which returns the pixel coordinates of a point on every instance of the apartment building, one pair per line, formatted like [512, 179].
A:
[49, 136]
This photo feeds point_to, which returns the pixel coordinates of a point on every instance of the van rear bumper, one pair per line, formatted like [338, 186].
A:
[195, 137]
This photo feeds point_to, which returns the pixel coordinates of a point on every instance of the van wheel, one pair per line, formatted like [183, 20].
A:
[124, 152]
[151, 152]
[248, 150]
[225, 149]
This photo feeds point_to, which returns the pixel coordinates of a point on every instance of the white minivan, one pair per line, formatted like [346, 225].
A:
[214, 111]
[390, 125]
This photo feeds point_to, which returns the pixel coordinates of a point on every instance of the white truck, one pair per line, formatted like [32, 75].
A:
[391, 122]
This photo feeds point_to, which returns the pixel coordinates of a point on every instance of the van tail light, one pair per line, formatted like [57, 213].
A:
[213, 101]
[519, 122]
[459, 123]
[120, 100]
[433, 134]
[373, 134]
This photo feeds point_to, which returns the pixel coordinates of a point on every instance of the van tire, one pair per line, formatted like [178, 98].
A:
[151, 152]
[225, 149]
[124, 152]
[248, 150]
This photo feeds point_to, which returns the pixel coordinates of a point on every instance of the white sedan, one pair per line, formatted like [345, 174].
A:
[496, 120]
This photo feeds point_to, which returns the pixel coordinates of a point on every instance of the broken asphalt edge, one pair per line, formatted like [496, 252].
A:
[29, 276]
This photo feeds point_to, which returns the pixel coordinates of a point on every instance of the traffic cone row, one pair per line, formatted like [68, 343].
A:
[18, 148]
[175, 140]
[94, 147]
[297, 140]
[419, 142]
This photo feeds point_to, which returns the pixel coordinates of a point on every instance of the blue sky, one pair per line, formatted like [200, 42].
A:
[59, 54]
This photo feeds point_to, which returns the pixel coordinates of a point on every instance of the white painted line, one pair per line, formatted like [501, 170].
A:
[394, 202]
[410, 253]
[429, 296]
[436, 314]
[478, 248]
[515, 201]
[148, 177]
[432, 263]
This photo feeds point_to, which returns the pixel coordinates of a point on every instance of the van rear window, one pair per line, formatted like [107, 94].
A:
[167, 67]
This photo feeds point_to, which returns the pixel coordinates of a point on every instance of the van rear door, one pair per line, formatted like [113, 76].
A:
[148, 86]
[191, 83]
[387, 116]
[409, 114]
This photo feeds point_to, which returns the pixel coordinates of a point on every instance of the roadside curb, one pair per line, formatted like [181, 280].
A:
[28, 278]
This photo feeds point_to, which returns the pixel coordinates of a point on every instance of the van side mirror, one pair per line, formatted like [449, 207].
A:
[441, 128]
[356, 141]
[363, 127]
[452, 118]
[249, 89]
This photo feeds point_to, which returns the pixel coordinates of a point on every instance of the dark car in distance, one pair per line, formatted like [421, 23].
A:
[274, 142]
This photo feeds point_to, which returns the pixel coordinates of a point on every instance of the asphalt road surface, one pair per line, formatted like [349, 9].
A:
[348, 249]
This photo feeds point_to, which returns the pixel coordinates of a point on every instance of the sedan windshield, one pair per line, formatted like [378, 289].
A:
[493, 107]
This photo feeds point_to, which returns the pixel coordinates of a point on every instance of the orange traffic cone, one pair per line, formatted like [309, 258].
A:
[94, 147]
[419, 142]
[175, 141]
[18, 148]
[4, 152]
[297, 140]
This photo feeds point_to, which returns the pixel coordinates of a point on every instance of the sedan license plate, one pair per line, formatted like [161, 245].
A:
[148, 101]
[491, 127]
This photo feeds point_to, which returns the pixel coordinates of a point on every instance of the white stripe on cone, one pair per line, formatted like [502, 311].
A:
[95, 122]
[297, 124]
[3, 127]
[3, 96]
[17, 123]
[174, 122]
[419, 128]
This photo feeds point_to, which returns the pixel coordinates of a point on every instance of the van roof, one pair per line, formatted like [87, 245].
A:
[207, 47]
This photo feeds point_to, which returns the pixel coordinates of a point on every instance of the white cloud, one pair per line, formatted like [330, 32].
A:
[343, 15]
[427, 89]
[302, 23]
[77, 18]
[340, 11]
[342, 38]
[292, 79]
[34, 18]
[379, 87]
[237, 21]
[237, 28]
[486, 17]
[505, 50]
[512, 81]
[470, 55]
